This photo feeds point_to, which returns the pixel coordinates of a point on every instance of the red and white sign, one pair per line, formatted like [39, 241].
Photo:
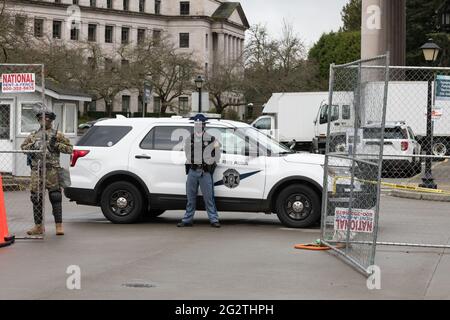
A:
[437, 114]
[362, 220]
[18, 82]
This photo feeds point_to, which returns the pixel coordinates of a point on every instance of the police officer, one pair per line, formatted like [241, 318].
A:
[202, 154]
[56, 143]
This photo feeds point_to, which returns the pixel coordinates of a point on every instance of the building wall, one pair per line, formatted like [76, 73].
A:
[230, 37]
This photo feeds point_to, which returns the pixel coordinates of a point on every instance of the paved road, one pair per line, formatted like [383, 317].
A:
[251, 257]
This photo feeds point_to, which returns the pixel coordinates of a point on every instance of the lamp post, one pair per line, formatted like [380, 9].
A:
[199, 84]
[431, 53]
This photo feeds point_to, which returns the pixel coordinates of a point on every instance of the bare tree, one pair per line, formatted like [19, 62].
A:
[276, 65]
[14, 33]
[261, 50]
[225, 85]
[290, 49]
[102, 77]
[169, 72]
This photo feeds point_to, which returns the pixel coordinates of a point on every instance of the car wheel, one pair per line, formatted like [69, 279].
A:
[439, 149]
[298, 206]
[122, 203]
[417, 168]
[339, 145]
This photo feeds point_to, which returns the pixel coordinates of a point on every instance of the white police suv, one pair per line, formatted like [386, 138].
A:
[136, 167]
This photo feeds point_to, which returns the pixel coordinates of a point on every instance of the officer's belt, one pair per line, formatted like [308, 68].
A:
[198, 166]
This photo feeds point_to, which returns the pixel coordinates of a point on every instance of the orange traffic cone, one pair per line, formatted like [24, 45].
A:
[5, 238]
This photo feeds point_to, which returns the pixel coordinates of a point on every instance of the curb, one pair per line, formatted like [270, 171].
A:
[420, 196]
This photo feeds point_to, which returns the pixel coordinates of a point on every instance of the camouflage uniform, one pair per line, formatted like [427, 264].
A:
[61, 145]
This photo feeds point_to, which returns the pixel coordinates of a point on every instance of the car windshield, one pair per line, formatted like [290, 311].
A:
[247, 141]
[389, 133]
[271, 146]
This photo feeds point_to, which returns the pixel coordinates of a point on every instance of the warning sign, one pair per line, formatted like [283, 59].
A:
[361, 220]
[18, 82]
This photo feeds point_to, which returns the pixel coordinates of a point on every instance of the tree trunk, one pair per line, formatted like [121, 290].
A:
[163, 107]
[108, 108]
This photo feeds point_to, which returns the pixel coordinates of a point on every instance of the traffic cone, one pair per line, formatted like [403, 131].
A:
[5, 238]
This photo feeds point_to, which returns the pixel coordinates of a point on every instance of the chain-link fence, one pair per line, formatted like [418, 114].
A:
[417, 134]
[356, 111]
[22, 186]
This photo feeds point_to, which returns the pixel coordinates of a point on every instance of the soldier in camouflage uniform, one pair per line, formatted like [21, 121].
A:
[56, 143]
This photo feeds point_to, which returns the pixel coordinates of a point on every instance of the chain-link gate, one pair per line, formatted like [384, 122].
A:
[352, 177]
[18, 111]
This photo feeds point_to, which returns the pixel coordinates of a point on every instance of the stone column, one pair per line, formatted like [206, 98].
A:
[233, 48]
[220, 54]
[384, 28]
[230, 52]
[396, 31]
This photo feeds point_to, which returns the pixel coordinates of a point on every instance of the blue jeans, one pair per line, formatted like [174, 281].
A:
[205, 180]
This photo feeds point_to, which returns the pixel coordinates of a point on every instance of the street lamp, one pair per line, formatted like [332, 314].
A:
[199, 84]
[430, 52]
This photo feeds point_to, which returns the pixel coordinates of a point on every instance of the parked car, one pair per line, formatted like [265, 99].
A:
[132, 167]
[399, 150]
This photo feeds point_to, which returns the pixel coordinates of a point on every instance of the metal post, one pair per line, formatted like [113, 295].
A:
[327, 149]
[428, 180]
[380, 158]
[44, 161]
[357, 111]
[199, 100]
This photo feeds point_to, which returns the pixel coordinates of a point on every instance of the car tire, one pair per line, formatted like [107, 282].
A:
[298, 206]
[122, 203]
[417, 168]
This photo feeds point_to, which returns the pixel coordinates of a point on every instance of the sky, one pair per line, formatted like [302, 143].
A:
[310, 18]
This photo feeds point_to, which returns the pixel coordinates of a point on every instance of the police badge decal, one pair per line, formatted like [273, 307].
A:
[231, 178]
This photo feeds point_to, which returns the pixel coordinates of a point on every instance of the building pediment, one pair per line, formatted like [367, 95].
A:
[231, 12]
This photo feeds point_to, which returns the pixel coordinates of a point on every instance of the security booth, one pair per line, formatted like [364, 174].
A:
[18, 120]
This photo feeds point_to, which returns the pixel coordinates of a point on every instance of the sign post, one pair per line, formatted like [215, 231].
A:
[147, 96]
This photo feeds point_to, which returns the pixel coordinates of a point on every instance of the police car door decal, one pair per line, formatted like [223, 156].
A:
[232, 178]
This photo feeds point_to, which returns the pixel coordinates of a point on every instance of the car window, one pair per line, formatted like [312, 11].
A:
[346, 113]
[247, 142]
[396, 133]
[334, 113]
[165, 138]
[231, 143]
[263, 124]
[324, 114]
[411, 134]
[104, 136]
